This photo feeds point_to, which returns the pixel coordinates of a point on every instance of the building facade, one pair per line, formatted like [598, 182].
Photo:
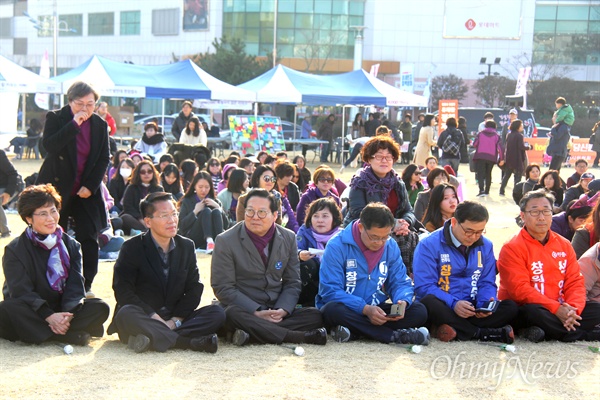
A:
[410, 41]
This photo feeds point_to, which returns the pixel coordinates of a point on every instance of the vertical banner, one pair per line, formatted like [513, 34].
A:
[42, 99]
[195, 15]
[521, 89]
[447, 109]
[407, 77]
[250, 134]
[374, 70]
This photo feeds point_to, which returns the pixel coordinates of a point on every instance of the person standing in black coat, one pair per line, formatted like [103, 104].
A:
[182, 119]
[515, 156]
[326, 133]
[9, 178]
[76, 140]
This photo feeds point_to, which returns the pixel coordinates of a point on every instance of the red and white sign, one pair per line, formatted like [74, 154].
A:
[447, 109]
[484, 19]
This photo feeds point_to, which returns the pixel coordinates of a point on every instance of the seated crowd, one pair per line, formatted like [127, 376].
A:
[395, 258]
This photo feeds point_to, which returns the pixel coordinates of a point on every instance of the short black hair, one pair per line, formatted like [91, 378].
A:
[265, 194]
[376, 215]
[147, 207]
[536, 194]
[471, 211]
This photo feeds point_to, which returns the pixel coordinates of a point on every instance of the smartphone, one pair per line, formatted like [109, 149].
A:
[397, 310]
[488, 307]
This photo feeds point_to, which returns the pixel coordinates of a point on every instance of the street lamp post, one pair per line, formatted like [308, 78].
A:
[483, 60]
[41, 26]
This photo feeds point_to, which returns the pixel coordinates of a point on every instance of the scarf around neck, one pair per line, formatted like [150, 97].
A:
[156, 139]
[369, 182]
[59, 262]
[371, 256]
[323, 238]
[262, 242]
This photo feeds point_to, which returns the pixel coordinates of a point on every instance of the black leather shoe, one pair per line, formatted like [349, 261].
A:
[317, 336]
[138, 343]
[240, 337]
[207, 344]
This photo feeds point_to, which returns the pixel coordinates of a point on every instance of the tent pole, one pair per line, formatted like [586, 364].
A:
[24, 115]
[295, 119]
[163, 115]
[343, 134]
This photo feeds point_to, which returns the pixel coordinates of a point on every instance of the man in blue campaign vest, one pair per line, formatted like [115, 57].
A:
[455, 278]
[360, 270]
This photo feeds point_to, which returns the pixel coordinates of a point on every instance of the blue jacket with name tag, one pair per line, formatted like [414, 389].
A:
[344, 275]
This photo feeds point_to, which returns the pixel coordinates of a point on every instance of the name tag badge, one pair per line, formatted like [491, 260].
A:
[279, 265]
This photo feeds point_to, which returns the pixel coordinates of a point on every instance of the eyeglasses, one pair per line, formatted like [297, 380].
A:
[380, 158]
[45, 215]
[262, 214]
[166, 217]
[536, 213]
[417, 174]
[325, 180]
[378, 239]
[269, 178]
[81, 104]
[471, 232]
[146, 172]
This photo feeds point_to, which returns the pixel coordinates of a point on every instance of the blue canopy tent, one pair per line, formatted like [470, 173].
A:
[183, 79]
[286, 86]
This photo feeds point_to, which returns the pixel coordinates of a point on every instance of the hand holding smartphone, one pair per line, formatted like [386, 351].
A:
[488, 307]
[397, 310]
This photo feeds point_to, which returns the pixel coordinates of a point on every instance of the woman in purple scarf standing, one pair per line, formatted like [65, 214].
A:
[44, 295]
[323, 221]
[378, 182]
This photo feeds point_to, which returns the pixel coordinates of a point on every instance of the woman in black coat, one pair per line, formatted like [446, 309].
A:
[515, 156]
[76, 140]
[44, 294]
[144, 180]
[119, 182]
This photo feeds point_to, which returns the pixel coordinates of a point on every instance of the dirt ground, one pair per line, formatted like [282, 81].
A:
[356, 370]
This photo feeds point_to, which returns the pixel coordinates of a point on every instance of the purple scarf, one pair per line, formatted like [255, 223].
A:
[323, 238]
[262, 243]
[59, 262]
[366, 180]
[372, 256]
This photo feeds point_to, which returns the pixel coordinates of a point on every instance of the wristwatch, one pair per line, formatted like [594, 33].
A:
[177, 323]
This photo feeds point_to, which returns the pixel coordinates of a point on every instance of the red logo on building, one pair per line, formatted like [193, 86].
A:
[470, 24]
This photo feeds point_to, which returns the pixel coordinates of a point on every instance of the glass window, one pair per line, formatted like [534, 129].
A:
[252, 20]
[252, 48]
[545, 12]
[252, 5]
[303, 21]
[571, 26]
[266, 36]
[286, 35]
[339, 7]
[595, 13]
[267, 6]
[165, 21]
[287, 6]
[357, 8]
[20, 46]
[252, 35]
[285, 20]
[130, 23]
[339, 22]
[595, 28]
[285, 50]
[579, 13]
[544, 27]
[266, 20]
[307, 6]
[238, 6]
[6, 28]
[101, 24]
[323, 6]
[70, 25]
